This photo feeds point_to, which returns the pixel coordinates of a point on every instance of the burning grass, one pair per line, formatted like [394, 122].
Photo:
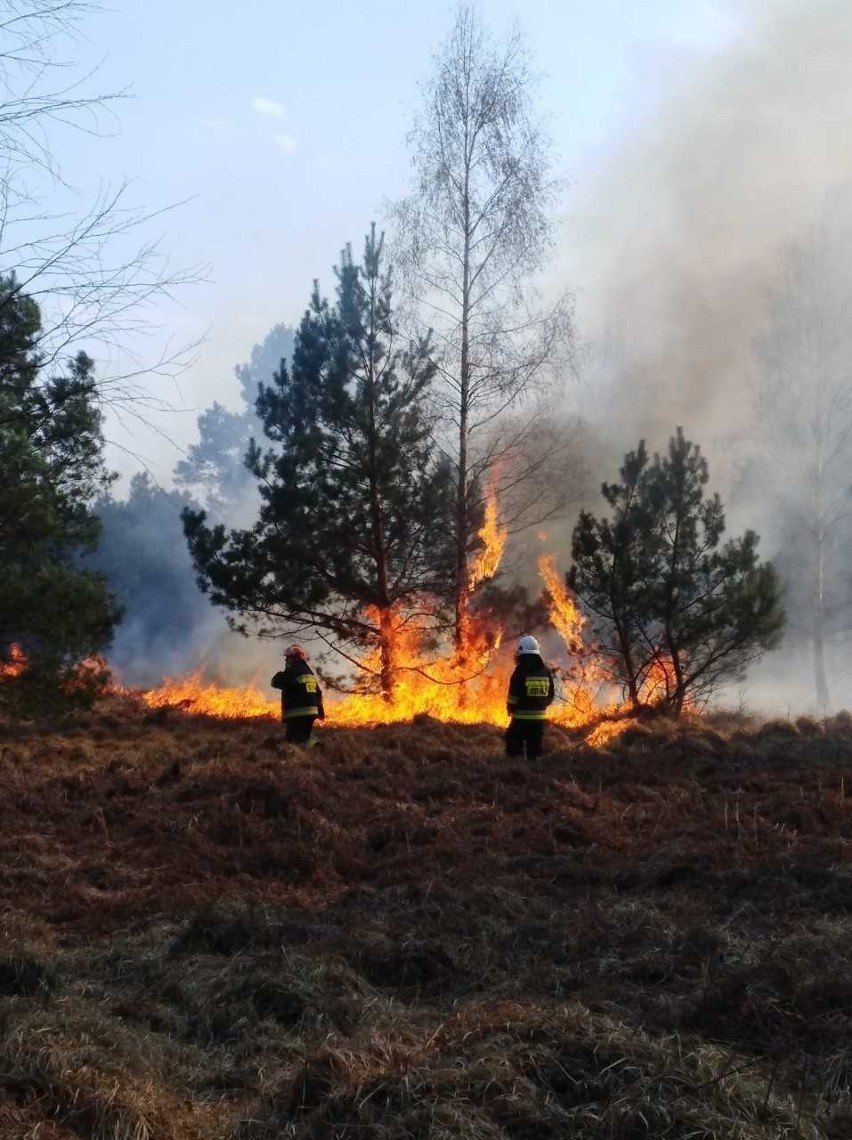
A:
[205, 932]
[403, 676]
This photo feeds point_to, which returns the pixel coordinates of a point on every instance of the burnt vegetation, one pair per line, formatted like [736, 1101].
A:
[205, 932]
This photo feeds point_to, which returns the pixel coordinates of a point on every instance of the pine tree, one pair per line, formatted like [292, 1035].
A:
[51, 469]
[354, 518]
[678, 611]
[611, 569]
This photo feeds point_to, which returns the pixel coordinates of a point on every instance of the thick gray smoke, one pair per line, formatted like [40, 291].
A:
[676, 245]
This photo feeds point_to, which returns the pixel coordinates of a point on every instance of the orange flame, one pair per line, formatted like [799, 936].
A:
[468, 686]
[587, 689]
[564, 614]
[493, 535]
[443, 689]
[210, 699]
[609, 730]
[457, 688]
[401, 677]
[16, 664]
[659, 681]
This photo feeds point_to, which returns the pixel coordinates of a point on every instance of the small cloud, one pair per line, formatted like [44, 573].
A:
[215, 122]
[287, 143]
[268, 107]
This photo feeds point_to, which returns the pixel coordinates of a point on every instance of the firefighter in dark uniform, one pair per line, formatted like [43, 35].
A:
[301, 696]
[531, 690]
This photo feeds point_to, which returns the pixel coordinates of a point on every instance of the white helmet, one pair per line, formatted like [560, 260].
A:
[528, 645]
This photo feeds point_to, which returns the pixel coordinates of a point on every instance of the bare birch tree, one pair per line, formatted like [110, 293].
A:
[474, 234]
[805, 405]
[95, 273]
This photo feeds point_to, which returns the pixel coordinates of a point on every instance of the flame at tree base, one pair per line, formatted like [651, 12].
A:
[468, 686]
[480, 701]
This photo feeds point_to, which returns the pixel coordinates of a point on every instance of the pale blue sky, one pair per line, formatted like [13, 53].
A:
[285, 124]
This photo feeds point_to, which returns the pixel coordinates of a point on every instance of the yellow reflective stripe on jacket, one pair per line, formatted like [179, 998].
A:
[536, 686]
[301, 712]
[529, 716]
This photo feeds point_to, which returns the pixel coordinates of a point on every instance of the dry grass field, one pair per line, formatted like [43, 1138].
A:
[205, 933]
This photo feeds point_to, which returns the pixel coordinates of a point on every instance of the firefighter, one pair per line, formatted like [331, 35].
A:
[531, 690]
[301, 696]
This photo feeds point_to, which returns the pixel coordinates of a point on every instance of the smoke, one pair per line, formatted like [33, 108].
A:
[678, 241]
[169, 625]
[674, 245]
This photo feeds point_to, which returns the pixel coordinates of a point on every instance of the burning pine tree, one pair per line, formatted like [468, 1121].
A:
[674, 611]
[352, 541]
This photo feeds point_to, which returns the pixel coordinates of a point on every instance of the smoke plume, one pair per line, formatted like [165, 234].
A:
[677, 243]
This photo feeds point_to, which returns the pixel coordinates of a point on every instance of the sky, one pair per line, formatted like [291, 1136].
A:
[280, 128]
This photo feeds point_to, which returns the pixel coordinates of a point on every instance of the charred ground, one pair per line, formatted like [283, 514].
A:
[205, 933]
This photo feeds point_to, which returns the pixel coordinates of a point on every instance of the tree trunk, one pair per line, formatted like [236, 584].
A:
[629, 668]
[377, 523]
[462, 505]
[387, 644]
[676, 699]
[461, 584]
[679, 693]
[820, 680]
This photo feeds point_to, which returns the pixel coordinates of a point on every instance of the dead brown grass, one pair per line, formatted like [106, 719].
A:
[207, 933]
[525, 1070]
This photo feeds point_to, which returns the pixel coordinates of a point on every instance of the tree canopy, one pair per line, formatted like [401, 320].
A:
[354, 518]
[475, 232]
[677, 611]
[51, 469]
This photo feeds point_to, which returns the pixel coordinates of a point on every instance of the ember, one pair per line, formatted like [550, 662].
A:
[15, 665]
